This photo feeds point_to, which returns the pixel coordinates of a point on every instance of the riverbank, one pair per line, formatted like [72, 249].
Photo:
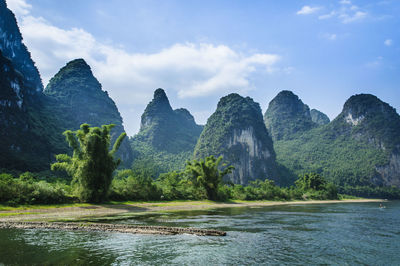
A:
[87, 212]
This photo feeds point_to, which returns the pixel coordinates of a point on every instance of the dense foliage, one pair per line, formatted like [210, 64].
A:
[341, 160]
[76, 97]
[131, 185]
[207, 174]
[92, 164]
[346, 154]
[167, 137]
[234, 115]
[286, 116]
[26, 189]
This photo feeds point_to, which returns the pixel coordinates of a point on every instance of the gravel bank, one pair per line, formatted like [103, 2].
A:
[120, 228]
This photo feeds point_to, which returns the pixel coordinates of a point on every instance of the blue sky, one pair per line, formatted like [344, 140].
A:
[199, 51]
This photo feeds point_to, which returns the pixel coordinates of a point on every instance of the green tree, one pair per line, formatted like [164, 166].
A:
[311, 181]
[207, 174]
[92, 163]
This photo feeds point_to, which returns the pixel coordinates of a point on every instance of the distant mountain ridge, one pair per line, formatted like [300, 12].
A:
[167, 137]
[360, 147]
[76, 97]
[287, 115]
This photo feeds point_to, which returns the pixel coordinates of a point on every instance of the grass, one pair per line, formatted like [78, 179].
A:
[16, 213]
[348, 197]
[4, 207]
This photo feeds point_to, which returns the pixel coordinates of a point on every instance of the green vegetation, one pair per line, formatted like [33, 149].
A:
[234, 115]
[206, 174]
[341, 160]
[130, 185]
[76, 97]
[200, 180]
[350, 151]
[27, 190]
[319, 118]
[286, 116]
[348, 155]
[166, 138]
[92, 164]
[28, 132]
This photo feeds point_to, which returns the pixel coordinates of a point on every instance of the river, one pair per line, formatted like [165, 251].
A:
[339, 234]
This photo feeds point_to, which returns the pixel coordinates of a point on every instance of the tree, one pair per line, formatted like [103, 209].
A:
[207, 174]
[311, 181]
[92, 163]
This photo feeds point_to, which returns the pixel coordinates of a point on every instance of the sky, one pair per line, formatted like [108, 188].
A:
[199, 51]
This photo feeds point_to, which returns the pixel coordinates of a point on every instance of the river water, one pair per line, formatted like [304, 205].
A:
[339, 234]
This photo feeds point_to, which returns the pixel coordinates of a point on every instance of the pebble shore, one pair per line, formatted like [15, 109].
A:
[120, 228]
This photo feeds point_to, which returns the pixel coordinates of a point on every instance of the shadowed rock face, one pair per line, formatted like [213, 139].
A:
[13, 48]
[165, 129]
[319, 117]
[77, 97]
[237, 132]
[287, 115]
[27, 130]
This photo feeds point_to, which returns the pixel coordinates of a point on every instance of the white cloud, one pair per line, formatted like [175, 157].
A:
[346, 13]
[330, 36]
[19, 7]
[327, 16]
[189, 69]
[345, 2]
[348, 18]
[388, 42]
[307, 10]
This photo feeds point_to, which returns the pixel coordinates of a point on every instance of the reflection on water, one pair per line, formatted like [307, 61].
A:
[306, 234]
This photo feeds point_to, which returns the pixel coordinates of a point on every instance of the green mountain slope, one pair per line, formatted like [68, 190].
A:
[287, 115]
[75, 97]
[236, 130]
[360, 147]
[319, 117]
[166, 138]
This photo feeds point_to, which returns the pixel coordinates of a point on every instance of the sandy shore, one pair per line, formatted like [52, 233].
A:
[98, 211]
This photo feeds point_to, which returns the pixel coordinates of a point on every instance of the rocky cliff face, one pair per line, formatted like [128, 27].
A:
[13, 48]
[167, 137]
[370, 120]
[27, 130]
[319, 117]
[76, 97]
[166, 129]
[287, 115]
[237, 132]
